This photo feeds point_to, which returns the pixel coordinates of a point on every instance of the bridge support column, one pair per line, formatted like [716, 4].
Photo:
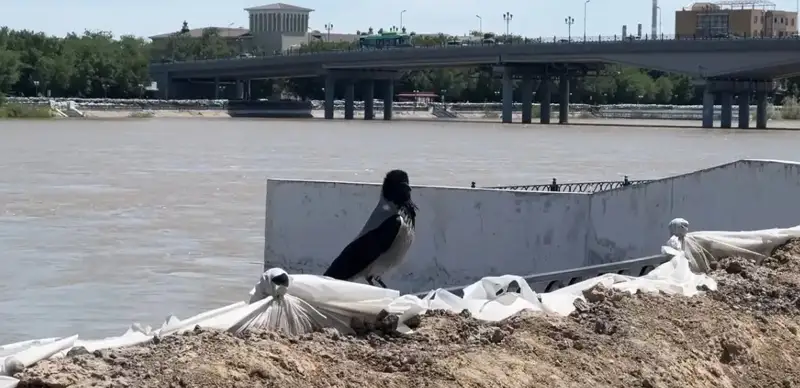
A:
[240, 89]
[708, 107]
[508, 95]
[726, 100]
[163, 84]
[216, 88]
[248, 91]
[349, 99]
[563, 104]
[330, 89]
[388, 97]
[526, 89]
[761, 110]
[744, 110]
[369, 100]
[544, 108]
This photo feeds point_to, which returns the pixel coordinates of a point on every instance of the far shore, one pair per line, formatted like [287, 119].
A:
[134, 114]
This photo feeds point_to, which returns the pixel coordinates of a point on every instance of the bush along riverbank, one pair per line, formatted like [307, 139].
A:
[21, 111]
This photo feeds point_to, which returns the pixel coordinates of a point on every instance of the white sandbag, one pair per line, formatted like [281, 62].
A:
[9, 349]
[300, 304]
[702, 248]
[8, 382]
[175, 325]
[34, 354]
[482, 301]
[130, 338]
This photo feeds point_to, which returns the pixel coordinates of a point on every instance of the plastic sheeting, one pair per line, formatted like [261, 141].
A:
[310, 301]
[706, 247]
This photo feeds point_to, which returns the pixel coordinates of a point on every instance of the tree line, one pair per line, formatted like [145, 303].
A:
[96, 65]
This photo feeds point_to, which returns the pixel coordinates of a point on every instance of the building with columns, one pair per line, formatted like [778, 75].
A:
[272, 27]
[278, 26]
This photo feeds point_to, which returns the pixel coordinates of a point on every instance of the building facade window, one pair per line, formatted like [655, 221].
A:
[712, 24]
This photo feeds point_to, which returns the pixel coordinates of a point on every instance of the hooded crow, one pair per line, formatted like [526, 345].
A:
[386, 237]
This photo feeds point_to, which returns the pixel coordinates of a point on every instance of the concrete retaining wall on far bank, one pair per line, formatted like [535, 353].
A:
[464, 234]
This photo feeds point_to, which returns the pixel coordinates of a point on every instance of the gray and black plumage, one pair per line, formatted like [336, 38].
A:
[386, 237]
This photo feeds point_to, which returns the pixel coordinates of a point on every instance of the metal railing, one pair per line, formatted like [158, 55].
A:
[551, 281]
[575, 187]
[498, 41]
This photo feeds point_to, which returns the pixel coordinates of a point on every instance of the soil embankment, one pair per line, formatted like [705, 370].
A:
[743, 335]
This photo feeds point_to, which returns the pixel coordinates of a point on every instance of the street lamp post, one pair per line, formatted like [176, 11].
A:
[658, 8]
[584, 18]
[329, 27]
[569, 21]
[480, 24]
[507, 18]
[401, 18]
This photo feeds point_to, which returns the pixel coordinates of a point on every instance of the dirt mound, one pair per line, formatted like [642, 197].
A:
[743, 335]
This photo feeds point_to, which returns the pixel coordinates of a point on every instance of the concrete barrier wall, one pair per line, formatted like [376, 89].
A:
[462, 234]
[743, 195]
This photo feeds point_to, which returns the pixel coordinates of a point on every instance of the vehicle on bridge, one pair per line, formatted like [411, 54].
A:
[383, 40]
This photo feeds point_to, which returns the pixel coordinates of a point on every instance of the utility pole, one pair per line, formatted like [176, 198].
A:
[401, 18]
[329, 27]
[480, 23]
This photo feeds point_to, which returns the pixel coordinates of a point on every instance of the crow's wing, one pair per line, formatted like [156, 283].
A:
[364, 250]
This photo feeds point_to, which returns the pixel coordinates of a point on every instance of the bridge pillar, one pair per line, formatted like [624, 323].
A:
[248, 91]
[388, 97]
[526, 89]
[216, 88]
[330, 88]
[240, 89]
[369, 99]
[544, 108]
[726, 100]
[508, 95]
[761, 110]
[708, 107]
[563, 104]
[163, 85]
[744, 110]
[349, 99]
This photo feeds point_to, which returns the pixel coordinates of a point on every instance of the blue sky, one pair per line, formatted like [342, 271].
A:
[531, 17]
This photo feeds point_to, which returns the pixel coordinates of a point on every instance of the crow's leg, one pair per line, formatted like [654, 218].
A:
[369, 280]
[380, 281]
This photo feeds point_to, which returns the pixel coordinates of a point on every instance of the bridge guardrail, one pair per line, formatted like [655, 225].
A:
[551, 281]
[578, 40]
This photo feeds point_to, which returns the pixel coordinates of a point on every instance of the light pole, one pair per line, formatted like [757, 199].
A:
[569, 21]
[659, 20]
[480, 23]
[401, 18]
[584, 18]
[507, 18]
[329, 27]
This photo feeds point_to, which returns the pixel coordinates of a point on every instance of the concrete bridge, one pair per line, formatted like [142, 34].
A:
[728, 68]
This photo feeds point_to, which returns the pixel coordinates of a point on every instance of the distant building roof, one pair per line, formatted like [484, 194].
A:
[224, 32]
[279, 7]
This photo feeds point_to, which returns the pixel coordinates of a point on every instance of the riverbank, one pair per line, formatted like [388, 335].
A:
[417, 116]
[19, 111]
[744, 334]
[580, 114]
